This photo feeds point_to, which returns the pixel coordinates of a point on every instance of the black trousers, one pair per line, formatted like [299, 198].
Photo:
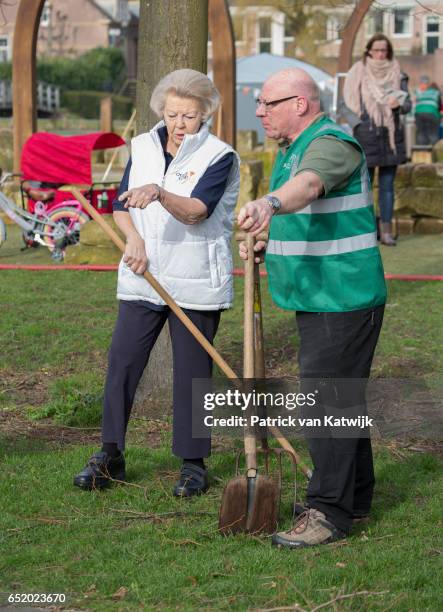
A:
[427, 128]
[136, 331]
[339, 345]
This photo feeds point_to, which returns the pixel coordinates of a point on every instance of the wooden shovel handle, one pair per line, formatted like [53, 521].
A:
[248, 338]
[218, 359]
[248, 351]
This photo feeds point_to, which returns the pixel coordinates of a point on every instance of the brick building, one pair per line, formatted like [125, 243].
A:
[72, 27]
[415, 29]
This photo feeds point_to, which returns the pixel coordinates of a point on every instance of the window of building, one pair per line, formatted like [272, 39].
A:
[238, 26]
[402, 22]
[333, 29]
[374, 24]
[264, 39]
[45, 18]
[4, 49]
[432, 34]
[114, 36]
[288, 38]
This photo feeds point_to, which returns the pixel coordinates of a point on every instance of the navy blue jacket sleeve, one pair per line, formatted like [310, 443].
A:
[116, 205]
[212, 184]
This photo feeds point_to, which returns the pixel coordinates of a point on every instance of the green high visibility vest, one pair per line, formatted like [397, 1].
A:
[428, 101]
[325, 258]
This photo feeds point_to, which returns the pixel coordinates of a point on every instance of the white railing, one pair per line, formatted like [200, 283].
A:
[48, 96]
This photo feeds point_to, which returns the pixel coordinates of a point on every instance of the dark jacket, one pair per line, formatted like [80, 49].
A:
[375, 140]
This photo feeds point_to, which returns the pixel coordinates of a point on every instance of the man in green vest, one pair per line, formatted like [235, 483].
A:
[323, 263]
[427, 112]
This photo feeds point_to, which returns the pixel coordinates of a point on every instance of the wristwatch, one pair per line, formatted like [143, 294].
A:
[273, 202]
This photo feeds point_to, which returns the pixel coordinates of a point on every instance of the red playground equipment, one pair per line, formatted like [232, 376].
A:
[51, 166]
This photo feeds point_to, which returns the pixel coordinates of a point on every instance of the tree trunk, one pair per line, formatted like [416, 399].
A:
[173, 34]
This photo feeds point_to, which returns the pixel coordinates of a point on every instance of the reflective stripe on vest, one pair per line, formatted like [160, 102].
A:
[322, 247]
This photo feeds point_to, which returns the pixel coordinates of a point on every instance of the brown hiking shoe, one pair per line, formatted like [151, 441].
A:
[310, 529]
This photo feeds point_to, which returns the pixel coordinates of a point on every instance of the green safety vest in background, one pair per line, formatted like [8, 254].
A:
[325, 258]
[428, 101]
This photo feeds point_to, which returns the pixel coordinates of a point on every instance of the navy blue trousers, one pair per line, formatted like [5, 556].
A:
[339, 345]
[136, 331]
[386, 176]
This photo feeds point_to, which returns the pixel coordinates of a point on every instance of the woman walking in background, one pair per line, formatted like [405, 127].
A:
[376, 91]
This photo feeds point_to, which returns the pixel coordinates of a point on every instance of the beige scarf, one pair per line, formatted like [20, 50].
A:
[368, 83]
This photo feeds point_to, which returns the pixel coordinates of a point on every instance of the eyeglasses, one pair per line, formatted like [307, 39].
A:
[272, 103]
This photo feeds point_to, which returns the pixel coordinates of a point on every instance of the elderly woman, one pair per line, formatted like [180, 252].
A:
[377, 92]
[175, 207]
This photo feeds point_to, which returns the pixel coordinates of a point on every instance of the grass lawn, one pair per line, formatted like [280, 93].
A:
[134, 545]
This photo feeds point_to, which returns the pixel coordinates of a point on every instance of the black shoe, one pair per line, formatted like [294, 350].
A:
[193, 481]
[99, 471]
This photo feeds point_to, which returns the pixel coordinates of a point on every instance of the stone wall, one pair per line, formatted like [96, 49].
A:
[419, 198]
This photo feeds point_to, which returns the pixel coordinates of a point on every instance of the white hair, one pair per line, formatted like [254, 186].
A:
[186, 83]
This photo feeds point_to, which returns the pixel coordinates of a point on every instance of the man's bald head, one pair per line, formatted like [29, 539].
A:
[296, 101]
[295, 81]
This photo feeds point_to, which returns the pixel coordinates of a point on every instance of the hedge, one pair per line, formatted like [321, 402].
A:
[87, 104]
[98, 69]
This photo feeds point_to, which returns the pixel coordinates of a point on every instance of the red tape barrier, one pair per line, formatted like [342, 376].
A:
[236, 271]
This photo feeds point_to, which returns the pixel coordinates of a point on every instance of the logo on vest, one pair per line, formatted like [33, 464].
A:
[186, 177]
[292, 164]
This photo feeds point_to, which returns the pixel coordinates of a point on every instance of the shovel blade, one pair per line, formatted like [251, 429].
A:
[249, 505]
[264, 502]
[234, 506]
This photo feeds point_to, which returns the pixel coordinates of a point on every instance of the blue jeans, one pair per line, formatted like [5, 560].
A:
[386, 176]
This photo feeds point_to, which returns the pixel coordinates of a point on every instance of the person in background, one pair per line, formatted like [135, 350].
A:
[427, 112]
[376, 91]
[176, 208]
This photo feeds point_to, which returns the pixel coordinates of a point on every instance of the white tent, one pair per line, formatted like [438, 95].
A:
[253, 70]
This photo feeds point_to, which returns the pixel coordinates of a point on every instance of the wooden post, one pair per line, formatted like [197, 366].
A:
[24, 106]
[223, 65]
[349, 33]
[106, 114]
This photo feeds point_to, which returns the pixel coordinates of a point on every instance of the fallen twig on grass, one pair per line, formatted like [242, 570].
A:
[184, 542]
[131, 484]
[349, 596]
[389, 535]
[56, 426]
[330, 602]
[148, 516]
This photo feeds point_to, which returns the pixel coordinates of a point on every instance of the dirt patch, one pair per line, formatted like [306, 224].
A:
[15, 427]
[22, 389]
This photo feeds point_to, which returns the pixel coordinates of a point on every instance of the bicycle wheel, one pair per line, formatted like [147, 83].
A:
[68, 222]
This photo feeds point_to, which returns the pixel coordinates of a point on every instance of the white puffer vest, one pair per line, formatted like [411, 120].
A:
[192, 262]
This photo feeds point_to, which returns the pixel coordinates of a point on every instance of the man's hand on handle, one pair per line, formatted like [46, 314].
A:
[255, 216]
[259, 248]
